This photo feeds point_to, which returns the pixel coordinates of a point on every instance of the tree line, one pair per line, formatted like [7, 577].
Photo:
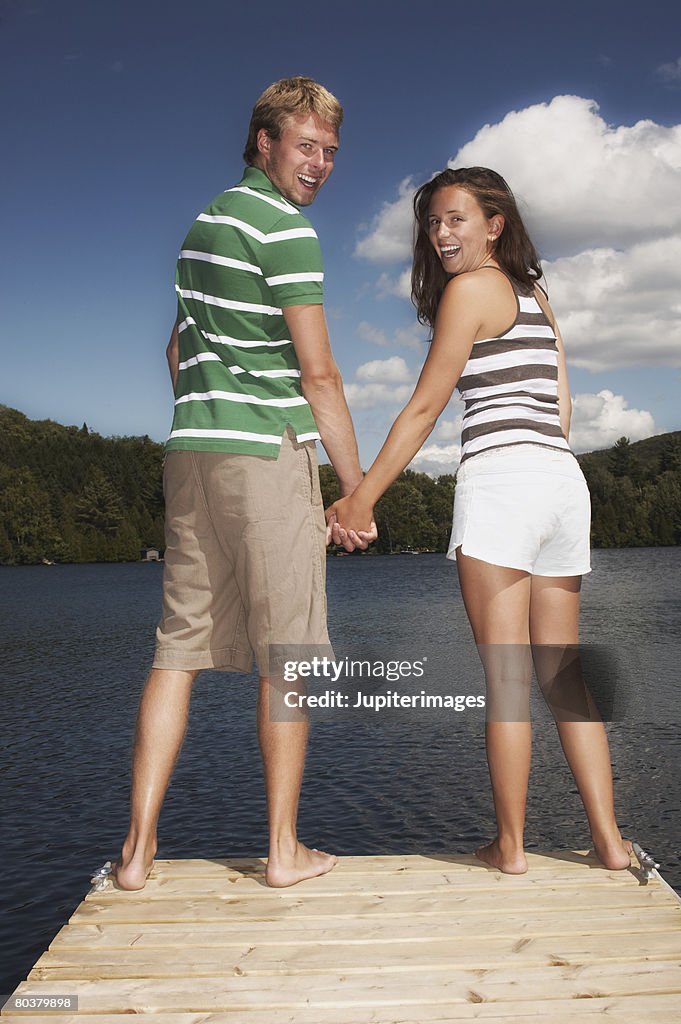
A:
[69, 495]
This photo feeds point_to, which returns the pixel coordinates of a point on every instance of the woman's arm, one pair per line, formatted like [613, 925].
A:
[564, 400]
[459, 319]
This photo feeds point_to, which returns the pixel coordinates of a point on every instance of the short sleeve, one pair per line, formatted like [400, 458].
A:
[291, 261]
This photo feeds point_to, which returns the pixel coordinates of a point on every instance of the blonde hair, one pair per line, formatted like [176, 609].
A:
[287, 98]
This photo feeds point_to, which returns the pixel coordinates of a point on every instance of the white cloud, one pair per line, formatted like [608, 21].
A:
[367, 332]
[413, 337]
[670, 73]
[437, 459]
[581, 182]
[586, 183]
[367, 396]
[387, 241]
[449, 430]
[442, 452]
[604, 202]
[600, 420]
[389, 371]
[399, 286]
[380, 382]
[620, 308]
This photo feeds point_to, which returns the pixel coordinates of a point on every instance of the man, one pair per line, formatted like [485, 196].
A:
[255, 385]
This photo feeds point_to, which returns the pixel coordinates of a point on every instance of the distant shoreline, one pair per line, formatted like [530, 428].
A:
[330, 555]
[71, 496]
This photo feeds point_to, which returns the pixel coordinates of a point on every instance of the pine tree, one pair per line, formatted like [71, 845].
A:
[99, 506]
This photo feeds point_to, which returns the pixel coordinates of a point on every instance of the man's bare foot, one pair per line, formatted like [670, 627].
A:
[613, 852]
[512, 861]
[132, 869]
[287, 868]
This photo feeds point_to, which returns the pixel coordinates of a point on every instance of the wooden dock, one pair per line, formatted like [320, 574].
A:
[380, 940]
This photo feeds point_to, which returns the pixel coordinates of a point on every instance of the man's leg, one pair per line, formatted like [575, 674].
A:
[283, 745]
[161, 725]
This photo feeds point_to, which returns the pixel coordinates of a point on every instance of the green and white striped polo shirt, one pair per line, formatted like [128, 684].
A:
[246, 257]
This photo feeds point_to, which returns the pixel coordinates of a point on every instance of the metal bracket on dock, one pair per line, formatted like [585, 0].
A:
[648, 864]
[101, 877]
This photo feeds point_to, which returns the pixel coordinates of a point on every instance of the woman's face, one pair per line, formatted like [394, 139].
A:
[461, 234]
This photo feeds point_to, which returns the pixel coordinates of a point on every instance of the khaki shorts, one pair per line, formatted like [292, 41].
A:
[245, 558]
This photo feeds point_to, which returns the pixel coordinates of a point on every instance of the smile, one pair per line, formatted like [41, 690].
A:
[448, 251]
[308, 181]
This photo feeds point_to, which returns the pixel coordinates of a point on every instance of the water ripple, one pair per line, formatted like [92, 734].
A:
[76, 645]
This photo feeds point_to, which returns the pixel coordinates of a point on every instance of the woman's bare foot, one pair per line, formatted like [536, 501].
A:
[613, 852]
[298, 862]
[132, 869]
[509, 859]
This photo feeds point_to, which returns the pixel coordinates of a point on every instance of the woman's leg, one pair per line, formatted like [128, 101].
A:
[554, 626]
[497, 601]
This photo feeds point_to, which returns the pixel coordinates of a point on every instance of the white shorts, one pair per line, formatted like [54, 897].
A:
[525, 507]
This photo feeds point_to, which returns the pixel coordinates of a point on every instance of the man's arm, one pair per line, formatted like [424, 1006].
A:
[173, 355]
[323, 388]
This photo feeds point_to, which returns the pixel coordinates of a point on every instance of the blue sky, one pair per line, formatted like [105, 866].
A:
[120, 122]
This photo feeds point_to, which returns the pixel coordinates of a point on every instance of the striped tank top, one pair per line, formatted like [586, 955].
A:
[510, 385]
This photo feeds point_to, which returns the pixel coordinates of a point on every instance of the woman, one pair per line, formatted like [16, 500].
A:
[520, 535]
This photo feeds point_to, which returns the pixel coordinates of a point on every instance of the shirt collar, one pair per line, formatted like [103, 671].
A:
[255, 178]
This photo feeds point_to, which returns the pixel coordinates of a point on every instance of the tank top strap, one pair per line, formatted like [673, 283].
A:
[513, 283]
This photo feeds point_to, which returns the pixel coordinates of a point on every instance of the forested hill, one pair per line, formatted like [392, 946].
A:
[69, 495]
[636, 492]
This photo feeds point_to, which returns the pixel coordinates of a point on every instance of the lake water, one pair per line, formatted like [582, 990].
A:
[76, 644]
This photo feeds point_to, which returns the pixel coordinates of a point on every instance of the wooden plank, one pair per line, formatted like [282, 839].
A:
[471, 953]
[471, 879]
[666, 887]
[378, 941]
[219, 866]
[315, 931]
[415, 989]
[449, 901]
[648, 1009]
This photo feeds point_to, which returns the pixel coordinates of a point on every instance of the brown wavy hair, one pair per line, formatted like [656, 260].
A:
[513, 248]
[287, 98]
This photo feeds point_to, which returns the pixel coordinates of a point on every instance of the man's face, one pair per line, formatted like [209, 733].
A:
[300, 161]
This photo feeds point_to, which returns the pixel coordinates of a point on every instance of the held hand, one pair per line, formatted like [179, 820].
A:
[350, 523]
[349, 539]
